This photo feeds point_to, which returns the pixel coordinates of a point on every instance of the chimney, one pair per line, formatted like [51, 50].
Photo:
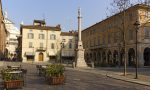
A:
[58, 26]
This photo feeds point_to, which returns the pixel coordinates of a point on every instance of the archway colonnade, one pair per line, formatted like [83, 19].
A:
[103, 57]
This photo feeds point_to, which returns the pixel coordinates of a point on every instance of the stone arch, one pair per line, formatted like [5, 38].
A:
[99, 57]
[146, 57]
[109, 55]
[103, 57]
[94, 56]
[122, 56]
[6, 53]
[115, 57]
[87, 57]
[131, 57]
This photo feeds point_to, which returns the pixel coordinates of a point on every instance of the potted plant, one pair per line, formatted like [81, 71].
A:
[11, 80]
[55, 74]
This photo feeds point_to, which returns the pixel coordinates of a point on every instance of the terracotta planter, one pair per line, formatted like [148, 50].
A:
[56, 80]
[13, 84]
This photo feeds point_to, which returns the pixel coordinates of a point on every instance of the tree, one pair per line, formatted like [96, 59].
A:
[119, 5]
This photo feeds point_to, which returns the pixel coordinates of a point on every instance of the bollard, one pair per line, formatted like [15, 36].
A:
[73, 64]
[92, 63]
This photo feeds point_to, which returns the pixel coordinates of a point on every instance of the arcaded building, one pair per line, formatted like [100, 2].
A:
[108, 41]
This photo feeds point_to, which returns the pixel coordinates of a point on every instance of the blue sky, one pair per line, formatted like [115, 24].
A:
[55, 12]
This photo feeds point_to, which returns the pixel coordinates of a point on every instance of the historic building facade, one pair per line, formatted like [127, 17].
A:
[41, 43]
[11, 41]
[68, 45]
[107, 42]
[3, 33]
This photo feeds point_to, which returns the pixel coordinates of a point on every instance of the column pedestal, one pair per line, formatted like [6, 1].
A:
[80, 62]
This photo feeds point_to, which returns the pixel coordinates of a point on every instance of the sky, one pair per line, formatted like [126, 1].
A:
[63, 12]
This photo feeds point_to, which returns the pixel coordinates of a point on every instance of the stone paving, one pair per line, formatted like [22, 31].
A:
[77, 80]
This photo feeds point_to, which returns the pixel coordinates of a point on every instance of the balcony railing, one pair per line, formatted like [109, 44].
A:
[41, 49]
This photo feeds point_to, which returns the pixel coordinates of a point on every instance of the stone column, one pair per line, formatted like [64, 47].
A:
[79, 24]
[80, 62]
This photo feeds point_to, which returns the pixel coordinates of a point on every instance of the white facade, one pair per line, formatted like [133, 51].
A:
[40, 43]
[13, 32]
[69, 44]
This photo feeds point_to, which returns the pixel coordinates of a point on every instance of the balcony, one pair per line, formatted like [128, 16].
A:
[41, 49]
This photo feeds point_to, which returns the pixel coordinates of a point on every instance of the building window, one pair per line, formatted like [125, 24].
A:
[103, 39]
[131, 34]
[41, 45]
[64, 40]
[147, 32]
[30, 35]
[94, 42]
[70, 45]
[41, 36]
[52, 46]
[116, 37]
[109, 38]
[52, 37]
[63, 45]
[87, 43]
[146, 14]
[131, 16]
[70, 40]
[30, 30]
[30, 45]
[98, 40]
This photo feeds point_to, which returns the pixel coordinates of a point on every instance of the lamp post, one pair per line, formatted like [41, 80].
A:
[136, 24]
[61, 52]
[33, 55]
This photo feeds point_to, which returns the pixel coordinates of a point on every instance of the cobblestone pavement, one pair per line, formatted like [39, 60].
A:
[142, 71]
[77, 80]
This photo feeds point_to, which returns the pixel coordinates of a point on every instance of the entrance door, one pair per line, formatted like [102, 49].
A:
[147, 57]
[30, 58]
[41, 56]
[131, 57]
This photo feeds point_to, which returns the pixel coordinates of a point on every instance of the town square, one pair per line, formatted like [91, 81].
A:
[75, 45]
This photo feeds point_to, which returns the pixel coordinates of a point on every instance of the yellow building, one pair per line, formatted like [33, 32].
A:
[40, 43]
[69, 45]
[106, 42]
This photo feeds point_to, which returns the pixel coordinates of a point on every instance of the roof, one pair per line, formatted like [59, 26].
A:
[40, 21]
[135, 6]
[69, 34]
[41, 27]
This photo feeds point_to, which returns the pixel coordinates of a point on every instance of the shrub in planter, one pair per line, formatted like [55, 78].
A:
[55, 74]
[11, 81]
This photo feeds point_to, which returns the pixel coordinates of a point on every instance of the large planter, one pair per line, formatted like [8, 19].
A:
[13, 84]
[56, 80]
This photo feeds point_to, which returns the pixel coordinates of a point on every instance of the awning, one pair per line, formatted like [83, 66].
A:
[68, 54]
[30, 54]
[52, 53]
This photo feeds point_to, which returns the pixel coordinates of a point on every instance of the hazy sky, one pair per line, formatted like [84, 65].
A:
[55, 12]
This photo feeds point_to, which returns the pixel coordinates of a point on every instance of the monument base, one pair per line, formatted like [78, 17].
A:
[80, 62]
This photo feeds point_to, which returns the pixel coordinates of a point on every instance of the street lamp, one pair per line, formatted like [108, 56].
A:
[136, 24]
[60, 51]
[33, 55]
[61, 46]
